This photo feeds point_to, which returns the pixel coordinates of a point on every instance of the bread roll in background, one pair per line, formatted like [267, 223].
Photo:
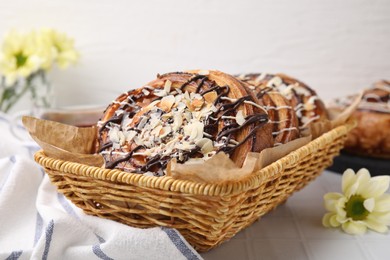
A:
[371, 137]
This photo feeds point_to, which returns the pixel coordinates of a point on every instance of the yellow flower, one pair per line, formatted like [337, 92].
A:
[62, 47]
[18, 57]
[363, 205]
[25, 59]
[44, 49]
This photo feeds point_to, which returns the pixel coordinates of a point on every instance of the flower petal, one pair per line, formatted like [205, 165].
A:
[369, 204]
[375, 225]
[352, 190]
[348, 179]
[382, 203]
[363, 176]
[362, 179]
[326, 219]
[375, 187]
[364, 173]
[342, 218]
[332, 196]
[383, 217]
[340, 207]
[330, 200]
[334, 222]
[354, 228]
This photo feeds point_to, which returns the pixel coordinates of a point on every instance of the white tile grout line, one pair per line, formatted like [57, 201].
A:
[367, 254]
[308, 252]
[366, 251]
[307, 249]
[249, 242]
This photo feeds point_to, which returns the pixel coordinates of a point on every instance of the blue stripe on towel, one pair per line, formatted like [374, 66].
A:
[42, 171]
[67, 207]
[180, 244]
[32, 149]
[12, 159]
[3, 118]
[98, 251]
[14, 255]
[101, 240]
[38, 228]
[49, 234]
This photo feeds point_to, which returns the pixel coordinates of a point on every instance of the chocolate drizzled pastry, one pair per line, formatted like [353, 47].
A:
[281, 114]
[304, 101]
[182, 116]
[375, 99]
[371, 136]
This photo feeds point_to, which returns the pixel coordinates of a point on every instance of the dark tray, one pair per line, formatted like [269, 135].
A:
[374, 165]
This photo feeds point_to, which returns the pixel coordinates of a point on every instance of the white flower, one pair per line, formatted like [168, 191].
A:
[363, 205]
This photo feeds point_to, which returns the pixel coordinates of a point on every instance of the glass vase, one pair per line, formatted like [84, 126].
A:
[41, 93]
[38, 87]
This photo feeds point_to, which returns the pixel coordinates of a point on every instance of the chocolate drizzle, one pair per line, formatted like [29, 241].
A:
[232, 128]
[193, 79]
[230, 149]
[157, 162]
[105, 146]
[112, 164]
[263, 91]
[114, 119]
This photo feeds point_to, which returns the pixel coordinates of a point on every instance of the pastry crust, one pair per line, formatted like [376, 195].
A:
[182, 115]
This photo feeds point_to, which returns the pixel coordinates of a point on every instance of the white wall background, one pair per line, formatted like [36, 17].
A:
[335, 46]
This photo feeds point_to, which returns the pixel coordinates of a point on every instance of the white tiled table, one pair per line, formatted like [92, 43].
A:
[294, 231]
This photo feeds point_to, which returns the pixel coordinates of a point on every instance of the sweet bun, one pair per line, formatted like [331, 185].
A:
[281, 114]
[304, 100]
[182, 116]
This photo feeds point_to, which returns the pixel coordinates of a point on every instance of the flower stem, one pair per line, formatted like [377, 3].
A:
[16, 98]
[6, 101]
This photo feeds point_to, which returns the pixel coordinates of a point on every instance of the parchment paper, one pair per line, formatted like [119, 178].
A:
[65, 142]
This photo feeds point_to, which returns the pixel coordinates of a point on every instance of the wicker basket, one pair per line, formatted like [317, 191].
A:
[205, 214]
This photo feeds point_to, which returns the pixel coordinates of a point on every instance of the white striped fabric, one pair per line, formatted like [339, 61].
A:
[36, 222]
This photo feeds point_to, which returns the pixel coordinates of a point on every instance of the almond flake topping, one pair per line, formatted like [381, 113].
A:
[240, 118]
[302, 90]
[172, 125]
[210, 97]
[275, 82]
[205, 144]
[261, 77]
[146, 92]
[166, 103]
[167, 86]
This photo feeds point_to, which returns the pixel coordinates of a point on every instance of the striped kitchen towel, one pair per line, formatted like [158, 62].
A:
[36, 222]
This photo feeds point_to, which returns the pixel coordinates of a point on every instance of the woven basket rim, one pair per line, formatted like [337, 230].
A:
[191, 187]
